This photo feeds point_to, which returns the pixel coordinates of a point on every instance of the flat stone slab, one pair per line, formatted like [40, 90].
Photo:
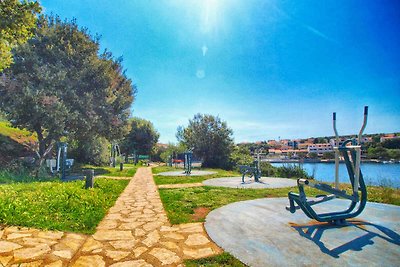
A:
[262, 233]
[181, 173]
[266, 182]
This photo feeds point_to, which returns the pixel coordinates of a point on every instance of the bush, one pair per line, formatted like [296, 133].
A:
[268, 170]
[292, 170]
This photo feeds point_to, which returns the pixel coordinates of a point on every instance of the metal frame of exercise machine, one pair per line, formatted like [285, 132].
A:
[187, 163]
[350, 151]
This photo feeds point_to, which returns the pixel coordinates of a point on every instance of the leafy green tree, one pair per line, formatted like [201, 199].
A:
[60, 86]
[241, 156]
[391, 143]
[95, 150]
[394, 154]
[210, 138]
[142, 137]
[312, 155]
[17, 21]
[172, 149]
[328, 155]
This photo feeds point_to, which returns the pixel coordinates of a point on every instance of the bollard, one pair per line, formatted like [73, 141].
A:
[121, 167]
[89, 179]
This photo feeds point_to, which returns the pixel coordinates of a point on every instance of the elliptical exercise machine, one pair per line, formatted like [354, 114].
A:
[350, 150]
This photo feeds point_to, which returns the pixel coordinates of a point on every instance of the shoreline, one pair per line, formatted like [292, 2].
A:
[326, 161]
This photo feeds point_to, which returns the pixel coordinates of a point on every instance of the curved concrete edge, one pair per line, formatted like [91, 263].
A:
[262, 233]
[181, 173]
[236, 182]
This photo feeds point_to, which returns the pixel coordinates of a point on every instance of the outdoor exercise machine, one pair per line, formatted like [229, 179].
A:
[61, 163]
[114, 153]
[187, 163]
[251, 171]
[350, 151]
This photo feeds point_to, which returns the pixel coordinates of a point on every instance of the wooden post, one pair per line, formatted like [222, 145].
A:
[121, 167]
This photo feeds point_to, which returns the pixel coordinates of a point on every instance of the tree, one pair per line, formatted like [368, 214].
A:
[392, 143]
[60, 86]
[142, 137]
[210, 138]
[241, 156]
[171, 150]
[17, 21]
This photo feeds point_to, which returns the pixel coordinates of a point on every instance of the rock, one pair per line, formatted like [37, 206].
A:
[33, 241]
[198, 253]
[29, 264]
[168, 229]
[90, 261]
[116, 255]
[91, 244]
[6, 246]
[113, 216]
[139, 251]
[75, 236]
[139, 232]
[165, 256]
[66, 254]
[152, 226]
[1, 233]
[123, 244]
[137, 263]
[73, 244]
[170, 245]
[151, 239]
[174, 236]
[58, 263]
[4, 260]
[196, 240]
[17, 235]
[130, 225]
[103, 235]
[191, 228]
[107, 224]
[51, 235]
[30, 253]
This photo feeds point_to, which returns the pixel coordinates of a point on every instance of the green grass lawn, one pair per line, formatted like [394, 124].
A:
[58, 206]
[188, 179]
[186, 205]
[224, 259]
[128, 171]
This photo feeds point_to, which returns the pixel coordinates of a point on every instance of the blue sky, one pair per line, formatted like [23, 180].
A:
[269, 68]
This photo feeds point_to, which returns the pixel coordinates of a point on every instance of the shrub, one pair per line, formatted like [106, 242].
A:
[292, 170]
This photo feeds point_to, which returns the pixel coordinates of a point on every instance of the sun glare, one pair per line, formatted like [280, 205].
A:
[210, 11]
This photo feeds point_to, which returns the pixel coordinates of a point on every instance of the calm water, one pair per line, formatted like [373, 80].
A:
[374, 173]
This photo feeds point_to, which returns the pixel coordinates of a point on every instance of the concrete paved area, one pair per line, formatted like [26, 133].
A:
[181, 173]
[236, 182]
[135, 232]
[262, 233]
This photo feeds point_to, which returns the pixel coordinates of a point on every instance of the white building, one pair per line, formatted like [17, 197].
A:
[320, 148]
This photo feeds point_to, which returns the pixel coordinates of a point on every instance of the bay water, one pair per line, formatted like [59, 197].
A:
[374, 173]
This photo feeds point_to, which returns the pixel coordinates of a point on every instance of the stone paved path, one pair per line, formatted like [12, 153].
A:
[135, 232]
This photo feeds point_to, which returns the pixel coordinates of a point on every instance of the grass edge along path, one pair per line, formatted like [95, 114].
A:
[223, 259]
[57, 205]
[185, 205]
